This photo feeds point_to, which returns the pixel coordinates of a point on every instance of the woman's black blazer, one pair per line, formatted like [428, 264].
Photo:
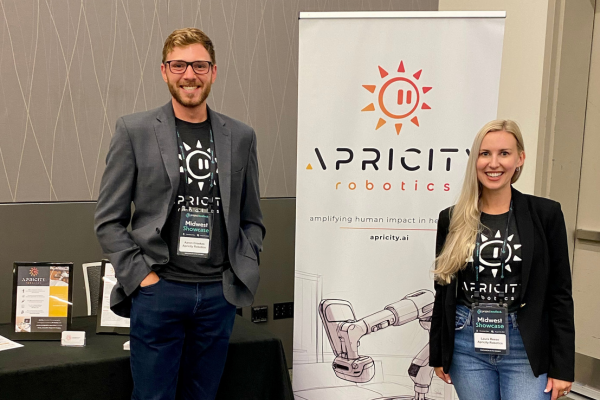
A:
[545, 317]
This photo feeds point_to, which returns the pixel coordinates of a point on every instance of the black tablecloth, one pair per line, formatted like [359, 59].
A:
[255, 368]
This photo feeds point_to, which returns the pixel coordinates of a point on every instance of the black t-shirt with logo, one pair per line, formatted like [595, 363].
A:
[491, 238]
[196, 142]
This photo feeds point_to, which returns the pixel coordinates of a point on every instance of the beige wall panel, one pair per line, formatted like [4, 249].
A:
[561, 139]
[589, 189]
[586, 266]
[586, 277]
[521, 79]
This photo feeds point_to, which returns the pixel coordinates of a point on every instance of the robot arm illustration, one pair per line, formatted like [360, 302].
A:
[345, 332]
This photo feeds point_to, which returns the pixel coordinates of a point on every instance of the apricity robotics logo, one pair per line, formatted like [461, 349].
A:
[399, 98]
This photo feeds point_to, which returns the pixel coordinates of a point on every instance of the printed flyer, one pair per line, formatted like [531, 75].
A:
[43, 297]
[107, 317]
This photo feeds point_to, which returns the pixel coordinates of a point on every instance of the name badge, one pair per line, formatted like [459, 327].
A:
[195, 231]
[490, 324]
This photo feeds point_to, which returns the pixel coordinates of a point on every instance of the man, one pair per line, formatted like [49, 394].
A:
[192, 253]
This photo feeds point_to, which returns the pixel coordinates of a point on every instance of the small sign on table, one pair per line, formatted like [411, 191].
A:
[42, 300]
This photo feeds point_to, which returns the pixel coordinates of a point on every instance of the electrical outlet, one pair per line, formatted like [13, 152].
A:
[259, 314]
[283, 310]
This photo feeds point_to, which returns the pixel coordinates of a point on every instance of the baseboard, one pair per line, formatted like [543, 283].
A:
[589, 392]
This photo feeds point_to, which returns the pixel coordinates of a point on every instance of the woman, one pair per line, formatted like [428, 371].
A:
[501, 251]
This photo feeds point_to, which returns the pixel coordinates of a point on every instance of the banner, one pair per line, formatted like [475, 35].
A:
[388, 105]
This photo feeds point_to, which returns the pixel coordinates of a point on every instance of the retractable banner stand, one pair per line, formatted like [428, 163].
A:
[388, 105]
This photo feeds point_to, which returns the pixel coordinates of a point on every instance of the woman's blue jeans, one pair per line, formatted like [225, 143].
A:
[493, 377]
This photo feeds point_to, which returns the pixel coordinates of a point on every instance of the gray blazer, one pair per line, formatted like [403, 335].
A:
[142, 168]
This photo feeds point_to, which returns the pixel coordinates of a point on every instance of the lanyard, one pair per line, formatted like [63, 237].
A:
[213, 168]
[501, 295]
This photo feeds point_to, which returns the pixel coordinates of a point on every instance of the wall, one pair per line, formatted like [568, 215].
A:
[70, 68]
[543, 86]
[563, 107]
[521, 79]
[277, 268]
[586, 274]
[59, 232]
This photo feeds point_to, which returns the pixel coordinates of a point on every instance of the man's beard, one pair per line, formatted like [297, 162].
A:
[190, 103]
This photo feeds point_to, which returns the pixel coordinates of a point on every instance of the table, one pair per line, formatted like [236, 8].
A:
[255, 367]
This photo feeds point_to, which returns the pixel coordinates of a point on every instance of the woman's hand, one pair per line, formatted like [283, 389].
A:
[557, 387]
[439, 371]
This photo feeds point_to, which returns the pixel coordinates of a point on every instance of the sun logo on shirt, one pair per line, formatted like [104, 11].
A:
[495, 246]
[197, 162]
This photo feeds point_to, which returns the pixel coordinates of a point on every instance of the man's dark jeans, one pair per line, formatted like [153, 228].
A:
[179, 339]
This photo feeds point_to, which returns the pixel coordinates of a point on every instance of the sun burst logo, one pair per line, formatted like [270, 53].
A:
[495, 247]
[197, 163]
[399, 97]
[33, 271]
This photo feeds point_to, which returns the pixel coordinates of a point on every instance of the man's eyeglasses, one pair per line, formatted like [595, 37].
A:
[180, 66]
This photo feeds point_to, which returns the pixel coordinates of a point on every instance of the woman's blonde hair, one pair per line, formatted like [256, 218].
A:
[464, 216]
